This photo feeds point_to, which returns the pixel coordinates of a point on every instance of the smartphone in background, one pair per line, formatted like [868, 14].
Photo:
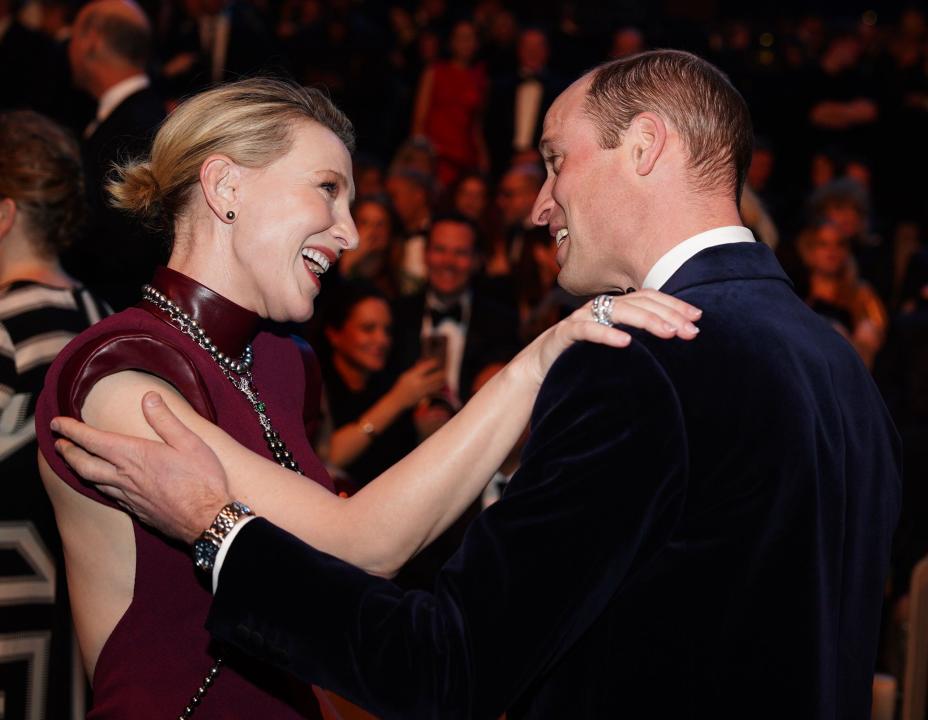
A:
[435, 347]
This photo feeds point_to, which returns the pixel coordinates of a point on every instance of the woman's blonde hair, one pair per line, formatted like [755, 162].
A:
[250, 121]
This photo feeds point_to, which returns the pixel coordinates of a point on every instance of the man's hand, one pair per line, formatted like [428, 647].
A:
[177, 486]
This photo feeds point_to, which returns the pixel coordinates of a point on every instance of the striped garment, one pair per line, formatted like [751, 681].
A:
[40, 673]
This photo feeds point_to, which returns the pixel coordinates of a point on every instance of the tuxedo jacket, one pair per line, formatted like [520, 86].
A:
[491, 336]
[119, 253]
[698, 530]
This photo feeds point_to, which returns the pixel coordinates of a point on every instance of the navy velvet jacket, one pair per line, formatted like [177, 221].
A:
[698, 530]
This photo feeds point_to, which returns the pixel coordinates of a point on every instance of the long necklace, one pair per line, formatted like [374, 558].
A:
[239, 374]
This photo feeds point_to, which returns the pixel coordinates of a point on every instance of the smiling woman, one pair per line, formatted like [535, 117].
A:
[251, 183]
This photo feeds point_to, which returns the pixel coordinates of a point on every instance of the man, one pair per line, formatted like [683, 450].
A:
[696, 530]
[519, 100]
[476, 330]
[108, 52]
[411, 194]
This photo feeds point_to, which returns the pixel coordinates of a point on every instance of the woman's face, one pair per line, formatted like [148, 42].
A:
[471, 198]
[364, 340]
[829, 252]
[293, 222]
[463, 42]
[373, 222]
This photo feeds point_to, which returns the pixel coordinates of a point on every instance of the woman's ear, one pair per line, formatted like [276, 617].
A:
[220, 178]
[7, 216]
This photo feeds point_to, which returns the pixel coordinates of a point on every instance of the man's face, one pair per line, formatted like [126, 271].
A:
[587, 201]
[79, 47]
[450, 257]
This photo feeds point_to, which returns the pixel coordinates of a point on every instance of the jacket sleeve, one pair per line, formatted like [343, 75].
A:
[600, 489]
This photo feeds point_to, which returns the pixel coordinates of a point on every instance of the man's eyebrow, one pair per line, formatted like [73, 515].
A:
[546, 147]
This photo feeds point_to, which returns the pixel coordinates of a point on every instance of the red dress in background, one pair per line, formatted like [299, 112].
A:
[454, 114]
[159, 651]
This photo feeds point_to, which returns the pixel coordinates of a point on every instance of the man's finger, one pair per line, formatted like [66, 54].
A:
[166, 424]
[98, 442]
[90, 467]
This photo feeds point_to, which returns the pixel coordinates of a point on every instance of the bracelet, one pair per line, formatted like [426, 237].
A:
[206, 547]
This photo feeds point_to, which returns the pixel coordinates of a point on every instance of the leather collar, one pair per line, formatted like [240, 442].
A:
[231, 327]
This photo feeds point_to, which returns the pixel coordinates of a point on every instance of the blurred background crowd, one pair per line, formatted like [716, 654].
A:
[451, 277]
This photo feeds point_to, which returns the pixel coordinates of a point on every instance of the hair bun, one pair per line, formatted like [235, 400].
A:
[135, 188]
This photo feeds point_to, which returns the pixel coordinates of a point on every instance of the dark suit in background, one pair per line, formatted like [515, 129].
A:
[697, 530]
[118, 253]
[491, 336]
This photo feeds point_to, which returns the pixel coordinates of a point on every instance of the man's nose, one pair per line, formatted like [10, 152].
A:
[541, 210]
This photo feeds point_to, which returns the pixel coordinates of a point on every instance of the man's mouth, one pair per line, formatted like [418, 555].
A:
[317, 262]
[561, 236]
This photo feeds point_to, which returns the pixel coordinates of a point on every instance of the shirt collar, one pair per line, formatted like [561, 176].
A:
[673, 259]
[111, 99]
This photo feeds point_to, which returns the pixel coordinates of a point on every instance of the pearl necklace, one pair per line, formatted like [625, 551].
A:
[239, 374]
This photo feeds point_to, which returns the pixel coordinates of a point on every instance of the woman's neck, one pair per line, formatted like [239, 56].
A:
[44, 271]
[353, 376]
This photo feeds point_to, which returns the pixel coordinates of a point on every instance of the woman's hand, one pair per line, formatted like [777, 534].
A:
[423, 379]
[661, 315]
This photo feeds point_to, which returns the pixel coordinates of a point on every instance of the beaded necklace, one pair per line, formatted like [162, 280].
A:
[238, 372]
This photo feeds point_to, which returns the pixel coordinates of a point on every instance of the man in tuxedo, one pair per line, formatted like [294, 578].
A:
[518, 102]
[697, 530]
[475, 329]
[108, 53]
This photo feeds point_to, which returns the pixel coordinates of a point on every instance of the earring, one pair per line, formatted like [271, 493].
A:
[231, 215]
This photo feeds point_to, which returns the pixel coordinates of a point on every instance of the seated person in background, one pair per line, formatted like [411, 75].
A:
[369, 409]
[41, 310]
[479, 330]
[836, 292]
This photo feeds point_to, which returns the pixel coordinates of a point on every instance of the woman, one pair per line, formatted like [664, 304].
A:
[41, 309]
[377, 243]
[449, 107]
[369, 409]
[836, 292]
[254, 181]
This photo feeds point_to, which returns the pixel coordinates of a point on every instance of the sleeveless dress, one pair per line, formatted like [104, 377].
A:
[159, 651]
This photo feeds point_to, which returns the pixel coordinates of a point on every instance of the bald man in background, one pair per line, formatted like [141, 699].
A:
[108, 54]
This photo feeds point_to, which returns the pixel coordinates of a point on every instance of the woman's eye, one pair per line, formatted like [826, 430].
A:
[331, 188]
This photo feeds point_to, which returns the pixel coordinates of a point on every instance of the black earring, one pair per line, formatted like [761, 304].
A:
[231, 215]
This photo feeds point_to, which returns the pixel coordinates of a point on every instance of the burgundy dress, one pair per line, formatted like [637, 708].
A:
[159, 652]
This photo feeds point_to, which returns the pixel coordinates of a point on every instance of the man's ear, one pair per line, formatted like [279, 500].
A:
[648, 134]
[7, 216]
[220, 178]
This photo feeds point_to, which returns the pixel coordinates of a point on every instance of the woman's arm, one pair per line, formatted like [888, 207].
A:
[349, 441]
[423, 101]
[178, 488]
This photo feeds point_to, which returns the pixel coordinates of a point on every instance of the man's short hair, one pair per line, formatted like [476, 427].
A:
[690, 93]
[459, 219]
[128, 40]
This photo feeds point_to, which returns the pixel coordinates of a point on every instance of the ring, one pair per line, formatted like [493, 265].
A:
[602, 309]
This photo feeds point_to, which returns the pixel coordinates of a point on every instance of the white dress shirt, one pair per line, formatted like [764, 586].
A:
[673, 259]
[112, 98]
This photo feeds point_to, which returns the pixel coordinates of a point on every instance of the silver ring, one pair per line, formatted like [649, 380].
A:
[602, 309]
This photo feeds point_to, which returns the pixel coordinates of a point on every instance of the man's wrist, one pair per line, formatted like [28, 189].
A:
[206, 546]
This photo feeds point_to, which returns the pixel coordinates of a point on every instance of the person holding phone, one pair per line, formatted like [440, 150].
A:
[450, 319]
[369, 409]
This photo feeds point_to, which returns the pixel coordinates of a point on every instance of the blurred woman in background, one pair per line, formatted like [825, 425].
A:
[41, 310]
